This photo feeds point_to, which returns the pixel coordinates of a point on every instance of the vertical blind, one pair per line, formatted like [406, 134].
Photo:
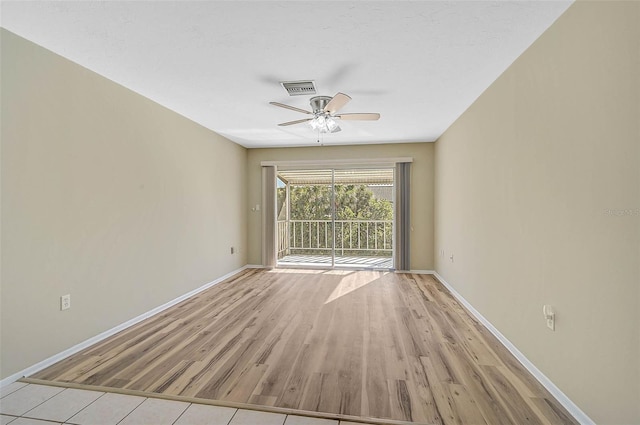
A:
[403, 216]
[269, 216]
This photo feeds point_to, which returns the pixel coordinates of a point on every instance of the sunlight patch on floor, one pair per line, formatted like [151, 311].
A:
[349, 284]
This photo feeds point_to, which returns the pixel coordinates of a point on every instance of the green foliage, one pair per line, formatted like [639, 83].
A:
[352, 202]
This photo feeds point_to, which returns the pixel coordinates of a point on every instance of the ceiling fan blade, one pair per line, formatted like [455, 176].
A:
[338, 101]
[295, 122]
[360, 116]
[293, 108]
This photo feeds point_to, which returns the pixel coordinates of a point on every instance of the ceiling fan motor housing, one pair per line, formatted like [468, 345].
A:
[318, 103]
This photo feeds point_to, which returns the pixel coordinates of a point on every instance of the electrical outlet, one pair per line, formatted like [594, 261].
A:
[65, 302]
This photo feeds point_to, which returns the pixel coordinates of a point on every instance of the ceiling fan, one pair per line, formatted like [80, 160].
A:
[324, 109]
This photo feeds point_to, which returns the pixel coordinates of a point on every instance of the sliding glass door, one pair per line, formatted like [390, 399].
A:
[304, 220]
[364, 218]
[335, 218]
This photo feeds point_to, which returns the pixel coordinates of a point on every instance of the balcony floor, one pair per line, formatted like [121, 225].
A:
[346, 261]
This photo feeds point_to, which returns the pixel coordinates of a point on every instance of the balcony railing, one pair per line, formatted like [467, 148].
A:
[353, 237]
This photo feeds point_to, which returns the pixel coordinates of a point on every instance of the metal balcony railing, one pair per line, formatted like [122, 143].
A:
[353, 237]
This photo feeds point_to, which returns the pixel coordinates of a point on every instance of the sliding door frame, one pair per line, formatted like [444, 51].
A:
[333, 218]
[332, 165]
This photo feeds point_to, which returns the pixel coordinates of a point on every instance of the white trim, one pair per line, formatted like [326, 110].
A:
[253, 266]
[417, 271]
[93, 340]
[571, 407]
[387, 162]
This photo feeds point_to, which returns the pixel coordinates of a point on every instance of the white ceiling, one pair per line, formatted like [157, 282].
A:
[420, 64]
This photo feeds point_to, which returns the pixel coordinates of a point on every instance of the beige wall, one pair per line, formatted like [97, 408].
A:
[538, 199]
[421, 189]
[106, 196]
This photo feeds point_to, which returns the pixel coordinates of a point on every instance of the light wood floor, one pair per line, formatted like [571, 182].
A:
[362, 343]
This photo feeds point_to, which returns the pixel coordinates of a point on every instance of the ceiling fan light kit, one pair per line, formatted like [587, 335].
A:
[324, 124]
[322, 121]
[324, 113]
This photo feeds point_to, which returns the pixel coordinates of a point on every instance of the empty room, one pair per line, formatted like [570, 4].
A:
[320, 213]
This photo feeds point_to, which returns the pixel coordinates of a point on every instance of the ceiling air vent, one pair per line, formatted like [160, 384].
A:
[298, 88]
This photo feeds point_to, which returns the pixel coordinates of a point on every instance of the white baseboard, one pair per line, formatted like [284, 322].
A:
[254, 266]
[81, 346]
[420, 271]
[571, 407]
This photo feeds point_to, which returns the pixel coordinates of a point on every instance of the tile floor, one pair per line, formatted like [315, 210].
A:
[30, 404]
